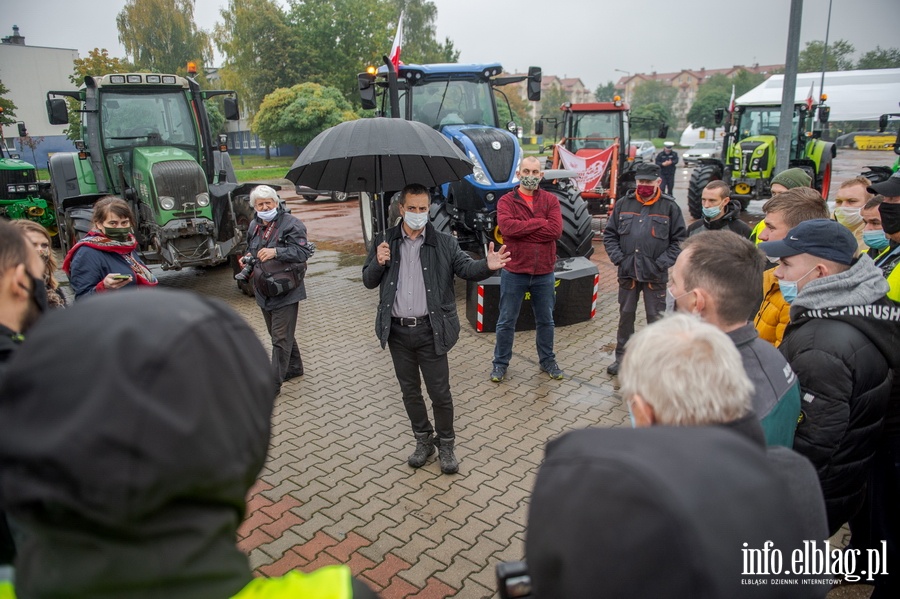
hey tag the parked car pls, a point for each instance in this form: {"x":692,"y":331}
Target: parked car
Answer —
{"x":702,"y":149}
{"x":311,"y":195}
{"x":643,"y":149}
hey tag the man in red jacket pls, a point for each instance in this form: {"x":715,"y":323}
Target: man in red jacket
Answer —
{"x":530,"y":222}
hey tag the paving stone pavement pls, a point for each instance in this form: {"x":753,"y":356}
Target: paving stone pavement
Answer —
{"x":336,"y":487}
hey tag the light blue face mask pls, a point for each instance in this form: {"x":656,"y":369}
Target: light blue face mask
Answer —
{"x":268,"y":215}
{"x":631,"y":414}
{"x":875,"y":239}
{"x":415,"y":220}
{"x":789,"y":289}
{"x":712,"y":212}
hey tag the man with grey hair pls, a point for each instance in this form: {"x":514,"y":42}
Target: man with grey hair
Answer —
{"x":696,"y":378}
{"x":718,"y":276}
{"x":276,"y":241}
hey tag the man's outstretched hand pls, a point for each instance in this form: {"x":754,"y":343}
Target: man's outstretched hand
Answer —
{"x":497,"y":260}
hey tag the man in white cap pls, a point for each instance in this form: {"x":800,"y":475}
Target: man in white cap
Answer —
{"x":667,"y":160}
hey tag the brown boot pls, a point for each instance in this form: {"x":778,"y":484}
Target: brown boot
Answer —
{"x":424,"y":447}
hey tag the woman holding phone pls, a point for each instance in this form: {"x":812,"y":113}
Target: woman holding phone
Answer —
{"x":106,"y":259}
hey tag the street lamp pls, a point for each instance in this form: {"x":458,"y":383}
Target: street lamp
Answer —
{"x":621,"y":71}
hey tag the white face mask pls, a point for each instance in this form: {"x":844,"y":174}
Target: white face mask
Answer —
{"x":849,"y":217}
{"x":268,"y":215}
{"x":415,"y":220}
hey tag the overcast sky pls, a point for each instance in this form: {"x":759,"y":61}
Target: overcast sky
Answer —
{"x":589,"y":39}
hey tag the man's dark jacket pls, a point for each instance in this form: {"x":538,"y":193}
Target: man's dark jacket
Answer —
{"x":731,"y":221}
{"x":441,"y":259}
{"x":842,"y":342}
{"x":643,"y":241}
{"x":291,"y":246}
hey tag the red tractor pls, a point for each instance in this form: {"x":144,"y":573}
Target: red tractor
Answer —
{"x":596,"y":145}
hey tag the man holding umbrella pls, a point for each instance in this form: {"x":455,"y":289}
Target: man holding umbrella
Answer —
{"x":414,"y":266}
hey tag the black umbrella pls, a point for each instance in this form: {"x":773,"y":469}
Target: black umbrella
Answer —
{"x":377,"y":154}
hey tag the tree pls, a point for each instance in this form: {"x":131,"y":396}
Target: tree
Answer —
{"x":7,"y":107}
{"x":880,"y":58}
{"x":419,"y":43}
{"x":649,"y":117}
{"x":97,"y":63}
{"x":839,"y":56}
{"x":653,"y":92}
{"x":716,"y":93}
{"x":260,"y":48}
{"x":605,"y":92}
{"x":338,"y":39}
{"x":297,"y":114}
{"x":521,"y":111}
{"x":33,"y":143}
{"x":161,"y":36}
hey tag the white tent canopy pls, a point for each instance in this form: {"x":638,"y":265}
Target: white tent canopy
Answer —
{"x":852,"y":95}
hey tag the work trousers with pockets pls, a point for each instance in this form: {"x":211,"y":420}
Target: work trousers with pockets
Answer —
{"x":654,"y":303}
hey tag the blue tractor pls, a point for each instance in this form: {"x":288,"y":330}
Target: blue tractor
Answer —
{"x":459,"y":100}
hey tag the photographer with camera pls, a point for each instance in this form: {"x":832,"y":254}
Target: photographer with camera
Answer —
{"x":276,"y":264}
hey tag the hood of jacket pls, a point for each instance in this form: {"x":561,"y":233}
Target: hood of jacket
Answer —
{"x":684,"y":501}
{"x":859,"y":285}
{"x":127,"y":469}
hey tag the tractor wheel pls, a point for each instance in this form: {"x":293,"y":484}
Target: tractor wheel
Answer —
{"x":393,"y":217}
{"x":78,"y":223}
{"x":440,"y":217}
{"x":577,"y":236}
{"x":310,"y":197}
{"x":369,"y":218}
{"x":340,"y":196}
{"x":823,"y":183}
{"x":700,"y":177}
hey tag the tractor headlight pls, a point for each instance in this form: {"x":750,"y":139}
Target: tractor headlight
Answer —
{"x":477,"y":170}
{"x":10,"y":189}
{"x":33,"y":187}
{"x":202,"y":199}
{"x":21,"y":188}
{"x":166,"y":202}
{"x":754,"y":166}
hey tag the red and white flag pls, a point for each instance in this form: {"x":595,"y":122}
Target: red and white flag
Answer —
{"x":809,"y":98}
{"x":731,"y":102}
{"x":590,"y":169}
{"x":398,"y":44}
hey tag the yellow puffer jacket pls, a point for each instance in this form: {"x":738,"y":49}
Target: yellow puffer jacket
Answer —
{"x":329,"y":582}
{"x":774,"y":313}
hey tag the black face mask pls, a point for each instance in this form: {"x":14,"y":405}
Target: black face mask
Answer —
{"x":890,"y":217}
{"x":39,"y":299}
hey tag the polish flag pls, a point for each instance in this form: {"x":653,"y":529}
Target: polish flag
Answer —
{"x":809,"y":98}
{"x":398,"y":43}
{"x":731,"y":102}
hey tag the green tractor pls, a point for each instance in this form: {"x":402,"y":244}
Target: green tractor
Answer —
{"x":21,"y":194}
{"x":147,"y":140}
{"x":748,"y":153}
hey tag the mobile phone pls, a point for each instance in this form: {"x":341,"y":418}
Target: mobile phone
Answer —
{"x":121,"y":277}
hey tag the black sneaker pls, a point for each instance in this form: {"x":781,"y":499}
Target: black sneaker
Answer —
{"x":554,"y":371}
{"x":498,"y":374}
{"x":613,"y":369}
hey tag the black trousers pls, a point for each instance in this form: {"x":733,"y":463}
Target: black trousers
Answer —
{"x":654,"y":303}
{"x":667,"y":182}
{"x":281,"y":324}
{"x":412,"y":350}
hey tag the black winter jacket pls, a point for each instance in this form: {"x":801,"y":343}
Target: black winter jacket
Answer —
{"x":290,"y":245}
{"x":842,"y":355}
{"x":441,"y":259}
{"x":731,"y":221}
{"x":643,"y":241}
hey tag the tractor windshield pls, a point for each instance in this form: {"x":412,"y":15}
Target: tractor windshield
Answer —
{"x":456,"y":102}
{"x":764,"y":120}
{"x":594,"y":130}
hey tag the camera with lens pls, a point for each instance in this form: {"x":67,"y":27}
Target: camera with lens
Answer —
{"x":513,"y":580}
{"x":249,"y":263}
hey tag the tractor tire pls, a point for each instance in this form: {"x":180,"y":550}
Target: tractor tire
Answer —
{"x":440,"y":218}
{"x":700,"y":177}
{"x":78,"y":223}
{"x":577,"y":237}
{"x":369,"y":218}
{"x":823,"y":182}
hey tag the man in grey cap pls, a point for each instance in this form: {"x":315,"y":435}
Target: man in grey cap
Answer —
{"x":841,"y":342}
{"x":642,"y":238}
